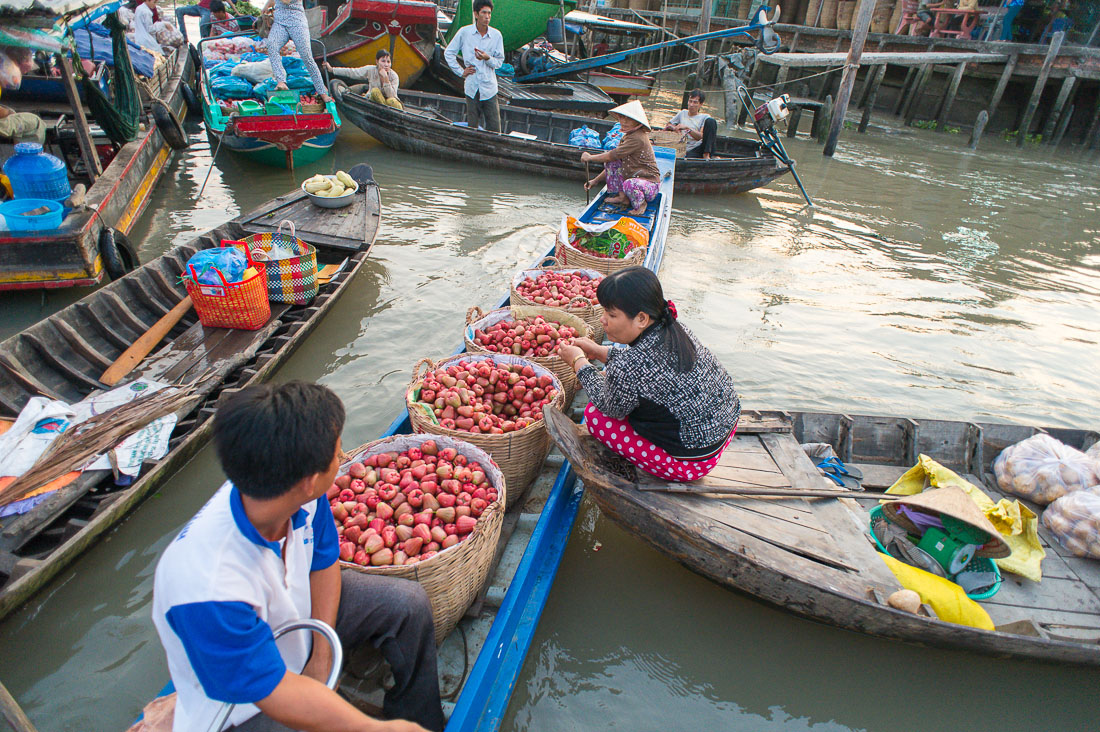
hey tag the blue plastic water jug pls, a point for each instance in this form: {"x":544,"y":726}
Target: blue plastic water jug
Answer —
{"x":37,"y":174}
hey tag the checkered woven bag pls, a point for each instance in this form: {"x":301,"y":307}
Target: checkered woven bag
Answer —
{"x":289,"y":279}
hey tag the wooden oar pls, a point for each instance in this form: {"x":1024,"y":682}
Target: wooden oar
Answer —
{"x":13,"y":714}
{"x":764,"y":492}
{"x":587,"y":190}
{"x":140,"y":348}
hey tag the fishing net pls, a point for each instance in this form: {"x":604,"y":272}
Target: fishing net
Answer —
{"x":120,"y":118}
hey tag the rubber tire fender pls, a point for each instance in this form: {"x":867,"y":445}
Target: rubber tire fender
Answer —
{"x":194,"y":107}
{"x":118,"y":254}
{"x":337,"y":88}
{"x":170,"y":127}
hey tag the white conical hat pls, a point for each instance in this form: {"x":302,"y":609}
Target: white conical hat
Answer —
{"x":633,"y":110}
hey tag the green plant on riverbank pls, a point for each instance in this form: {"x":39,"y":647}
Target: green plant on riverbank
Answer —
{"x":931,"y":124}
{"x":1010,"y":135}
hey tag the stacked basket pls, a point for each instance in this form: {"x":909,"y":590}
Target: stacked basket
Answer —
{"x":477,"y":319}
{"x":518,"y":454}
{"x":588,"y":311}
{"x":453,"y":577}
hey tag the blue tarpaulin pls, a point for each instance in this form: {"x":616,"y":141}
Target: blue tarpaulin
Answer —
{"x":100,"y":40}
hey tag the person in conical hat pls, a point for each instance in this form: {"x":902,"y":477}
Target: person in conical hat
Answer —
{"x":630,"y":169}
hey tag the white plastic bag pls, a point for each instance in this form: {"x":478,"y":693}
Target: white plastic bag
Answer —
{"x":1094,"y":452}
{"x":1042,"y":469}
{"x":1075,"y":522}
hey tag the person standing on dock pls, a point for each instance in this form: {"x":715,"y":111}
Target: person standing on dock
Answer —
{"x":665,"y":403}
{"x":701,"y":129}
{"x":288,"y":23}
{"x":262,"y":553}
{"x":482,"y":51}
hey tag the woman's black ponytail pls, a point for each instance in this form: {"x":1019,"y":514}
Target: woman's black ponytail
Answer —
{"x":637,"y":290}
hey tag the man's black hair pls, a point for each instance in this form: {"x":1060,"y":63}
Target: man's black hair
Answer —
{"x":271,"y":436}
{"x":217,"y":6}
{"x":382,"y":53}
{"x":698,"y":93}
{"x":479,"y":4}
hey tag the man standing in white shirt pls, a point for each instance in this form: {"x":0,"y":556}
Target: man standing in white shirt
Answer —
{"x":482,"y":51}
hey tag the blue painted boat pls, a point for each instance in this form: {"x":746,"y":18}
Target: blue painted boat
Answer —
{"x":498,"y":636}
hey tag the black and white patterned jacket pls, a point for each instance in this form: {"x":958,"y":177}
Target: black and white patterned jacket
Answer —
{"x":688,"y":415}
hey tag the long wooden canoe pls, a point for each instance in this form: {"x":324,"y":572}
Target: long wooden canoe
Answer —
{"x":64,"y":356}
{"x":481,"y":659}
{"x":427,"y":126}
{"x":814,"y":557}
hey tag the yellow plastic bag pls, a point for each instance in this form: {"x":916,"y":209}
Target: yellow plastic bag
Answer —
{"x":1017,"y":523}
{"x":612,"y":240}
{"x":946,"y":598}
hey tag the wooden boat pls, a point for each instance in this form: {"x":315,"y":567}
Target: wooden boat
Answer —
{"x":287,"y":137}
{"x":560,"y":95}
{"x":427,"y":127}
{"x":482,"y":658}
{"x":810,"y":555}
{"x":359,"y":29}
{"x":519,"y":21}
{"x":64,"y":356}
{"x":622,"y":85}
{"x":91,"y":241}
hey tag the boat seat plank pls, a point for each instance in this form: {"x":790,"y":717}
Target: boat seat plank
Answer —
{"x":1053,"y":593}
{"x":723,"y":540}
{"x":725,"y":475}
{"x":1082,"y":626}
{"x":237,"y":347}
{"x":323,"y":225}
{"x":879,"y":477}
{"x":851,"y":541}
{"x":183,"y":351}
{"x":749,"y":461}
{"x":808,"y":540}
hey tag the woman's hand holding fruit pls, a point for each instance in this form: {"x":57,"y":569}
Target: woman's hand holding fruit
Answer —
{"x":591,"y":349}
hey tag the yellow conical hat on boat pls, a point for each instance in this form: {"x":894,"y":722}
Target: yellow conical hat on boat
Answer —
{"x":953,"y":502}
{"x":633,"y":110}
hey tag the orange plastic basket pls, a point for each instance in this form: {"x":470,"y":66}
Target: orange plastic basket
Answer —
{"x":241,"y":304}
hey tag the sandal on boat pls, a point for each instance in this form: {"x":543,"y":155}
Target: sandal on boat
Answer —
{"x":845,"y":476}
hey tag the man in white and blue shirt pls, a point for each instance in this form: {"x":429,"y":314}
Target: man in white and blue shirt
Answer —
{"x":482,"y":51}
{"x":262,"y":552}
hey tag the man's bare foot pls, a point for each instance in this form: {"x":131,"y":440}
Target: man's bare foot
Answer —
{"x":281,"y":87}
{"x":618,"y":199}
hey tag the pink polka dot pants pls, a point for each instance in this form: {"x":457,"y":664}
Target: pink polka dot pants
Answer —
{"x":621,"y":437}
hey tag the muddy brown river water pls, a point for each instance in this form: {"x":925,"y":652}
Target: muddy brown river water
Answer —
{"x":928,"y":282}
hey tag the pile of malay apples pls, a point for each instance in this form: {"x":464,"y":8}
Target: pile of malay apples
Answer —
{"x":400,"y":508}
{"x":557,"y":289}
{"x":483,"y":397}
{"x":525,"y":337}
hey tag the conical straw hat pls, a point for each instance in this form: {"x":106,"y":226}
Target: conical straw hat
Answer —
{"x":954,"y":502}
{"x":633,"y":110}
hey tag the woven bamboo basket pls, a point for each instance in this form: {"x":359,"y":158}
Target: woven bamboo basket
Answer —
{"x":569,"y":256}
{"x":316,"y":108}
{"x":454,"y":577}
{"x":519,"y":454}
{"x":669,"y":138}
{"x":478,"y":318}
{"x":588,"y":311}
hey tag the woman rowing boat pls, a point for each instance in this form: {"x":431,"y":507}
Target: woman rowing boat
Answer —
{"x":630,"y":168}
{"x":665,"y":403}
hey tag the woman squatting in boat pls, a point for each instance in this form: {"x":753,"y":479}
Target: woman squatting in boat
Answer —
{"x":664,"y":403}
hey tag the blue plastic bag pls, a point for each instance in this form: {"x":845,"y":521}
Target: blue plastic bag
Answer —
{"x":507,"y":71}
{"x":585,"y":136}
{"x":613,"y":137}
{"x":230,"y":261}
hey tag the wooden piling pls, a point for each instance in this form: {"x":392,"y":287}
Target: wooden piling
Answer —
{"x":1093,"y":133}
{"x":689,"y":84}
{"x":781,"y":78}
{"x":979,"y":128}
{"x":949,"y":97}
{"x":913,"y":103}
{"x":904,"y":90}
{"x":1040,"y":82}
{"x":1002,"y":83}
{"x":793,"y":120}
{"x":704,"y":27}
{"x":12,"y":713}
{"x":872,"y":95}
{"x":1064,"y":93}
{"x":1062,"y":125}
{"x":823,"y":119}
